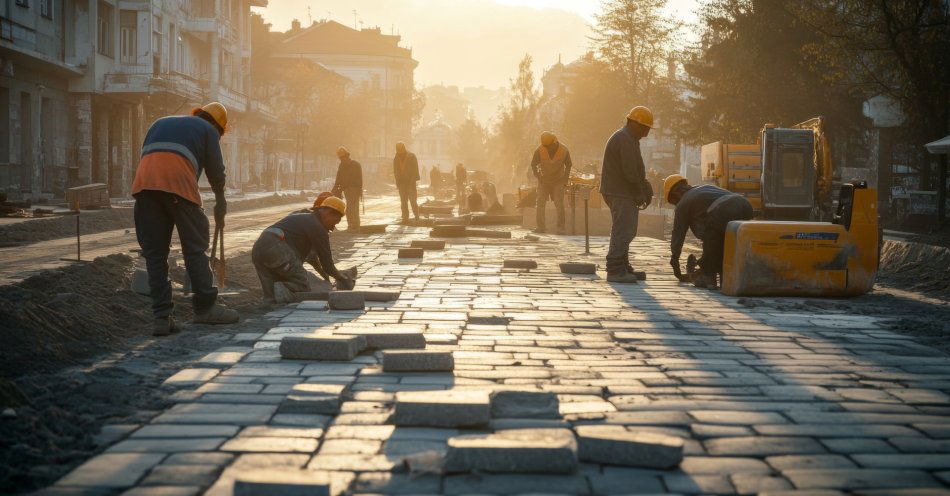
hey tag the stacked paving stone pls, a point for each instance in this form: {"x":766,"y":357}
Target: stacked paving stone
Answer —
{"x":766,"y":395}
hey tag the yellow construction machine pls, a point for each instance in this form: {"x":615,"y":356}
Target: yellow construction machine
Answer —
{"x":794,"y":258}
{"x":786,"y":175}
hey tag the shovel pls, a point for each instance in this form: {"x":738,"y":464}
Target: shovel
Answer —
{"x":218,"y":264}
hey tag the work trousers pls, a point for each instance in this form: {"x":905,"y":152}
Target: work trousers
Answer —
{"x":275,"y":261}
{"x":407,"y":197}
{"x":157,"y":213}
{"x":352,"y":197}
{"x":735,"y":207}
{"x":554,"y":191}
{"x":624,"y":215}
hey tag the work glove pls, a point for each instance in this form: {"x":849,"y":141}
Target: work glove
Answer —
{"x":646,"y":196}
{"x":345,"y":283}
{"x":675,"y":263}
{"x":220,"y":210}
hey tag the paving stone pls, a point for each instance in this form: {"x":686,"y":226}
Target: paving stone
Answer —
{"x":190,"y":377}
{"x":411,"y":252}
{"x":346,"y":300}
{"x":448,"y":231}
{"x":300,"y":420}
{"x":515,"y":484}
{"x":173,"y":431}
{"x":313,"y":399}
{"x":520,"y":264}
{"x":332,"y":347}
{"x":758,"y":484}
{"x":858,"y":478}
{"x":182,"y":475}
{"x":166,"y":445}
{"x":384,"y":339}
{"x":356,"y":463}
{"x":281,"y":482}
{"x":524,"y":404}
{"x":578,"y":268}
{"x":762,"y":446}
{"x":271,"y":444}
{"x":701,"y":484}
{"x":788,"y":462}
{"x":618,"y":446}
{"x":199,"y":458}
{"x":915,"y":460}
{"x":857,"y":445}
{"x":216,"y":413}
{"x":527,"y":423}
{"x":373,"y":228}
{"x":269,"y":431}
{"x":111,"y":470}
{"x":515,"y":450}
{"x":621,"y":480}
{"x":350,"y":447}
{"x":163,"y":491}
{"x":417,"y":361}
{"x":448,"y":408}
{"x":723,"y":465}
{"x":428,"y":244}
{"x":388,"y":483}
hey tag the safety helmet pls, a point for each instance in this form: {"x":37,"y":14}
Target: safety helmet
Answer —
{"x":548,"y":138}
{"x":217,"y":111}
{"x":641,"y":115}
{"x":400,"y":147}
{"x":342,"y":152}
{"x":320,"y":198}
{"x":335,"y":203}
{"x":669,"y":183}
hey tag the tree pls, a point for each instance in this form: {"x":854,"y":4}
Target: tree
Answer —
{"x":594,"y":108}
{"x":517,"y":127}
{"x":470,"y":144}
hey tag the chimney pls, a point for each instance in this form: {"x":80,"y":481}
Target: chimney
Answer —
{"x":294,"y":25}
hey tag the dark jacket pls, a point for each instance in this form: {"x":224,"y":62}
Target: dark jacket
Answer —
{"x":691,"y":212}
{"x":411,"y":170}
{"x":349,"y":175}
{"x":306,"y":235}
{"x":623,"y":172}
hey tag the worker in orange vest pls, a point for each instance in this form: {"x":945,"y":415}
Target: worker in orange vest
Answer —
{"x":551,"y":165}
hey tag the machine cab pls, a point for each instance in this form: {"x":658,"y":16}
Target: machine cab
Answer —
{"x":788,"y":173}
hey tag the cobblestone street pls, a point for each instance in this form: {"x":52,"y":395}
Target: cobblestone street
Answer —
{"x":765,"y":400}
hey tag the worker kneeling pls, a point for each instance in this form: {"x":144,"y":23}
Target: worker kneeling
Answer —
{"x":280,"y":251}
{"x":706,"y":210}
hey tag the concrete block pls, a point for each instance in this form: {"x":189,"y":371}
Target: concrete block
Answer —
{"x":485,"y":233}
{"x":330,"y":347}
{"x":281,"y":482}
{"x":346,"y":300}
{"x":428,"y":244}
{"x":524,"y":404}
{"x":140,"y":282}
{"x":382,"y":296}
{"x":417,"y":361}
{"x":578,"y":268}
{"x":410,"y":252}
{"x":616,"y":445}
{"x":497,"y":220}
{"x":313,"y":399}
{"x":520,"y":264}
{"x":514,"y":450}
{"x":384,"y":339}
{"x":373,"y":229}
{"x":448,"y":231}
{"x":447,"y":408}
{"x":191,"y":377}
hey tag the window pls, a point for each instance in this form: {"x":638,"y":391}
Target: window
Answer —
{"x":23,"y":3}
{"x":793,"y":169}
{"x":105,"y":43}
{"x":46,"y":8}
{"x":128,"y":37}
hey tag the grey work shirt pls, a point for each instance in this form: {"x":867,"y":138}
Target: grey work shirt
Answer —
{"x":623,"y":173}
{"x":305,"y":234}
{"x":691,"y":213}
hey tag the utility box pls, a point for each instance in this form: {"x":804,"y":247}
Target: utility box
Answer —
{"x":95,"y":195}
{"x":737,"y":168}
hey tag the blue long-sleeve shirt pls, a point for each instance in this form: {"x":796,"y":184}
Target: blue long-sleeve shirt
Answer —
{"x":623,"y":173}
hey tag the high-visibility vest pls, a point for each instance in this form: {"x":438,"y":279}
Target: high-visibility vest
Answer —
{"x":552,"y":168}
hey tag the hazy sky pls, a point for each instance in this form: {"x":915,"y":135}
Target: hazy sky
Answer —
{"x":467,"y":42}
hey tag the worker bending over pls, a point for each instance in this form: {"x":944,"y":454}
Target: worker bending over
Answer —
{"x":349,"y":183}
{"x":406,"y":173}
{"x":626,"y":190}
{"x":551,"y":165}
{"x":280,"y":251}
{"x":175,"y":152}
{"x":706,"y":210}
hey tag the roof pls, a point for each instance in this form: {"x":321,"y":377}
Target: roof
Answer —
{"x":940,"y":146}
{"x":331,"y":37}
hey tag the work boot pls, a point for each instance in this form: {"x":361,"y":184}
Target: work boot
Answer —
{"x":703,"y":280}
{"x":163,"y":326}
{"x":641,"y":275}
{"x":217,"y":314}
{"x":622,"y":278}
{"x":282,"y":295}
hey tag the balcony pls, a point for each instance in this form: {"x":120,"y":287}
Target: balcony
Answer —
{"x":174,"y":84}
{"x":264,"y":110}
{"x":232,"y":99}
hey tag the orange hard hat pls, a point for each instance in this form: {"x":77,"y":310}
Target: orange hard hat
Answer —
{"x":335,"y":203}
{"x":548,"y":138}
{"x":342,"y":152}
{"x":320,"y":198}
{"x":217,"y":111}
{"x":641,"y":115}
{"x":669,"y":183}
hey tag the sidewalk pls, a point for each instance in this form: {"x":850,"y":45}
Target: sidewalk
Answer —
{"x":765,"y":399}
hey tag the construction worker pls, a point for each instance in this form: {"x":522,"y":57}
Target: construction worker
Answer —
{"x":705,"y":210}
{"x":175,"y":152}
{"x":349,"y":183}
{"x":626,"y":190}
{"x":460,"y":179}
{"x":435,"y":179}
{"x":406,"y":173}
{"x":279,"y":252}
{"x":551,"y":165}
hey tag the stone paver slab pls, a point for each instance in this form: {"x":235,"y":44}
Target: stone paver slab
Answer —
{"x":515,"y":450}
{"x":450,"y":408}
{"x":618,"y":446}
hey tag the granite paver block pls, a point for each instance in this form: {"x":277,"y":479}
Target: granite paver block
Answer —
{"x":373,"y":228}
{"x":310,"y":398}
{"x":159,"y":491}
{"x":486,"y":233}
{"x":618,"y":446}
{"x":428,"y":244}
{"x":182,"y":475}
{"x":329,"y":347}
{"x":857,"y":478}
{"x":524,"y":404}
{"x":448,"y":231}
{"x":514,"y":450}
{"x":191,"y":377}
{"x":271,"y":444}
{"x":515,"y":484}
{"x":314,"y":297}
{"x":448,"y":408}
{"x":173,"y":430}
{"x":520,"y":264}
{"x":578,"y":268}
{"x":112,"y":470}
{"x":216,"y":413}
{"x":346,"y":300}
{"x":417,"y":361}
{"x":383,"y":339}
{"x":763,"y":446}
{"x":411,"y":252}
{"x":281,"y":482}
{"x":167,"y":445}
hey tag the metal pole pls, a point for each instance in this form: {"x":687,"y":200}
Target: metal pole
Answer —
{"x":78,"y":249}
{"x":586,"y":229}
{"x":573,"y":210}
{"x":942,"y":191}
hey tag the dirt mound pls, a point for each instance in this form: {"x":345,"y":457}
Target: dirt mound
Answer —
{"x":916,"y":267}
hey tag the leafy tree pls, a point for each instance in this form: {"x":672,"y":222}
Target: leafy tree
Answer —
{"x":470,"y":143}
{"x":517,"y":128}
{"x":594,"y":108}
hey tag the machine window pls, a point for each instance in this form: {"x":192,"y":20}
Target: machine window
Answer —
{"x":793,"y":169}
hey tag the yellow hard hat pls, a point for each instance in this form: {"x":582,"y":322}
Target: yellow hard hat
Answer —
{"x":548,"y":138}
{"x":218,"y":112}
{"x":670,"y":182}
{"x":335,"y":203}
{"x":642,"y":115}
{"x":342,"y":152}
{"x":401,"y":147}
